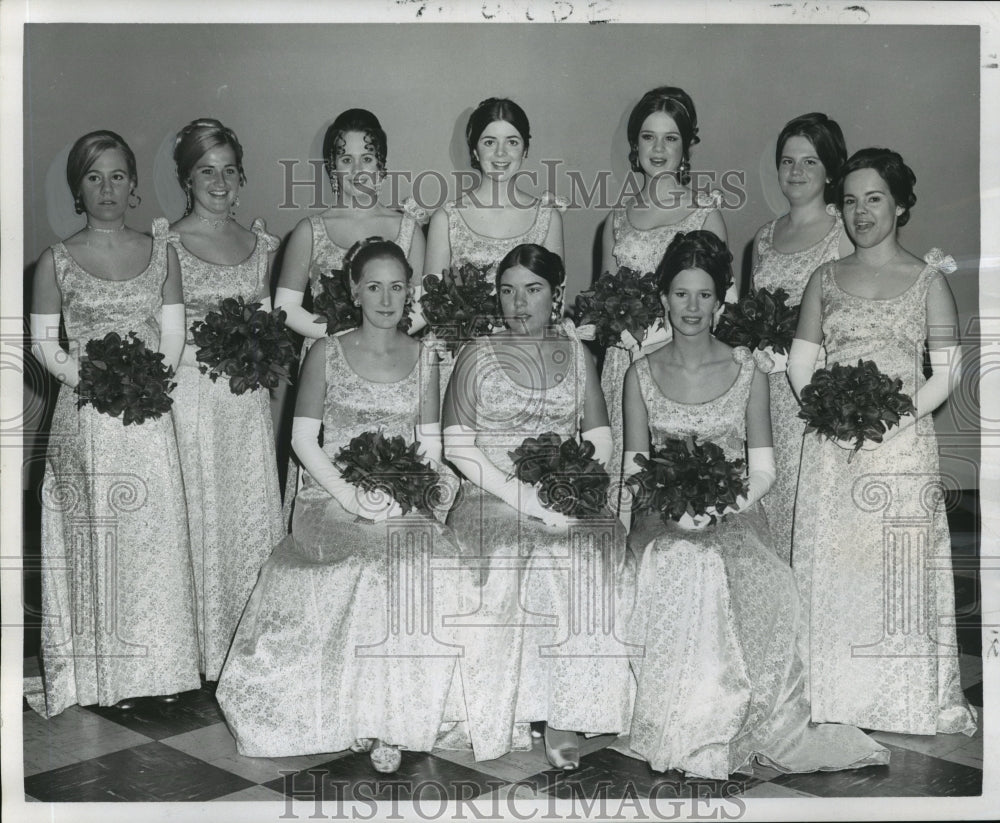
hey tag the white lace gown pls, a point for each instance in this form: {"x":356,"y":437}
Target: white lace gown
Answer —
{"x":544,"y":639}
{"x":721,"y":684}
{"x":872,"y":552}
{"x":117,"y":590}
{"x":226,"y":444}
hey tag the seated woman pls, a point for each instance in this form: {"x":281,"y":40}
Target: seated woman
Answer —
{"x":542,"y":644}
{"x":720,"y":682}
{"x":321,"y":661}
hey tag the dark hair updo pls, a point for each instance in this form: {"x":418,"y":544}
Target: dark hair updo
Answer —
{"x":84,"y":154}
{"x":538,"y":260}
{"x":360,"y":120}
{"x":489,"y":111}
{"x":672,"y":101}
{"x":891,"y":168}
{"x":699,"y":249}
{"x":201,"y":136}
{"x":374,"y":248}
{"x":826,"y":138}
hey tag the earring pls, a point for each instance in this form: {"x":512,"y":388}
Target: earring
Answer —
{"x":134,"y":200}
{"x":236,"y":202}
{"x":682,"y":170}
{"x":357,"y":303}
{"x":78,"y":204}
{"x":190,"y":200}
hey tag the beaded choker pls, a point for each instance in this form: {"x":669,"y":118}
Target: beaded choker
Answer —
{"x":106,"y":231}
{"x":215,"y":224}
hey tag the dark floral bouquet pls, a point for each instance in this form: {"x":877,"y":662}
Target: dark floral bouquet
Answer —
{"x":387,"y":465}
{"x":853,"y":403}
{"x":627,"y":301}
{"x":120,"y":377}
{"x":334,"y":302}
{"x":460,"y":304}
{"x":248,"y":344}
{"x":686,"y":477}
{"x":569,"y":480}
{"x":760,"y":320}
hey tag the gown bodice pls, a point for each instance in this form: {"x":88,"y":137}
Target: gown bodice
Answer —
{"x":93,"y":306}
{"x":721,"y":419}
{"x":207,"y":284}
{"x":642,"y":249}
{"x":507,"y":413}
{"x":791,"y":270}
{"x":468,"y":246}
{"x":327,"y":255}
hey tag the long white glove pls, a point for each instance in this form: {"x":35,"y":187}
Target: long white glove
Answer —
{"x":602,"y":441}
{"x":461,"y":449}
{"x":417,"y":319}
{"x":947,"y":371}
{"x":297,"y":318}
{"x":305,"y":443}
{"x":172,"y":333}
{"x":801,"y":363}
{"x":429,"y":438}
{"x":761,"y":474}
{"x":45,"y":346}
{"x":627,"y":499}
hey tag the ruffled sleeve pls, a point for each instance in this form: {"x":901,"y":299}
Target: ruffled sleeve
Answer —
{"x":944,"y":263}
{"x":710,"y":200}
{"x":415,"y":211}
{"x":161,"y":230}
{"x":741,"y":354}
{"x":269,"y":241}
{"x":555,"y":201}
{"x":763,"y":360}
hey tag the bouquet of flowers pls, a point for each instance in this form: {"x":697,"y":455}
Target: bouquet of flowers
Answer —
{"x":853,"y":403}
{"x":388,"y":465}
{"x":243,"y":341}
{"x":627,"y":301}
{"x":686,"y":477}
{"x":120,"y":377}
{"x":459,"y":304}
{"x":335,"y":304}
{"x":760,"y":320}
{"x":569,"y":480}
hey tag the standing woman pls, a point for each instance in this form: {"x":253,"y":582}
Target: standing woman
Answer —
{"x":808,"y":156}
{"x":496,"y":216}
{"x":531,"y":650}
{"x":662,"y":128}
{"x":720,"y":683}
{"x":117,"y":590}
{"x":880,"y":654}
{"x":355,"y":148}
{"x":226,"y":440}
{"x":298,"y":679}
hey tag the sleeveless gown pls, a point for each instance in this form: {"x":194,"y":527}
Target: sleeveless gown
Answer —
{"x":789,"y":271}
{"x":226,"y":444}
{"x":117,"y":588}
{"x":326,"y":256}
{"x":872,"y":553}
{"x":721,"y":683}
{"x":341,"y":638}
{"x":543,"y":640}
{"x":641,"y":250}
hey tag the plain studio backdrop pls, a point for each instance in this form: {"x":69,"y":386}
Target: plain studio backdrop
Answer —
{"x":914,"y":89}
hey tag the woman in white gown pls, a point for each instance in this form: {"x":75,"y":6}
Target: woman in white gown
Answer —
{"x":879,"y":630}
{"x":326,"y":656}
{"x":537,"y":648}
{"x":720,"y":683}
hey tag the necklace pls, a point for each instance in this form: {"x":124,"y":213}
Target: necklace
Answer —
{"x":106,"y":231}
{"x":215,"y":224}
